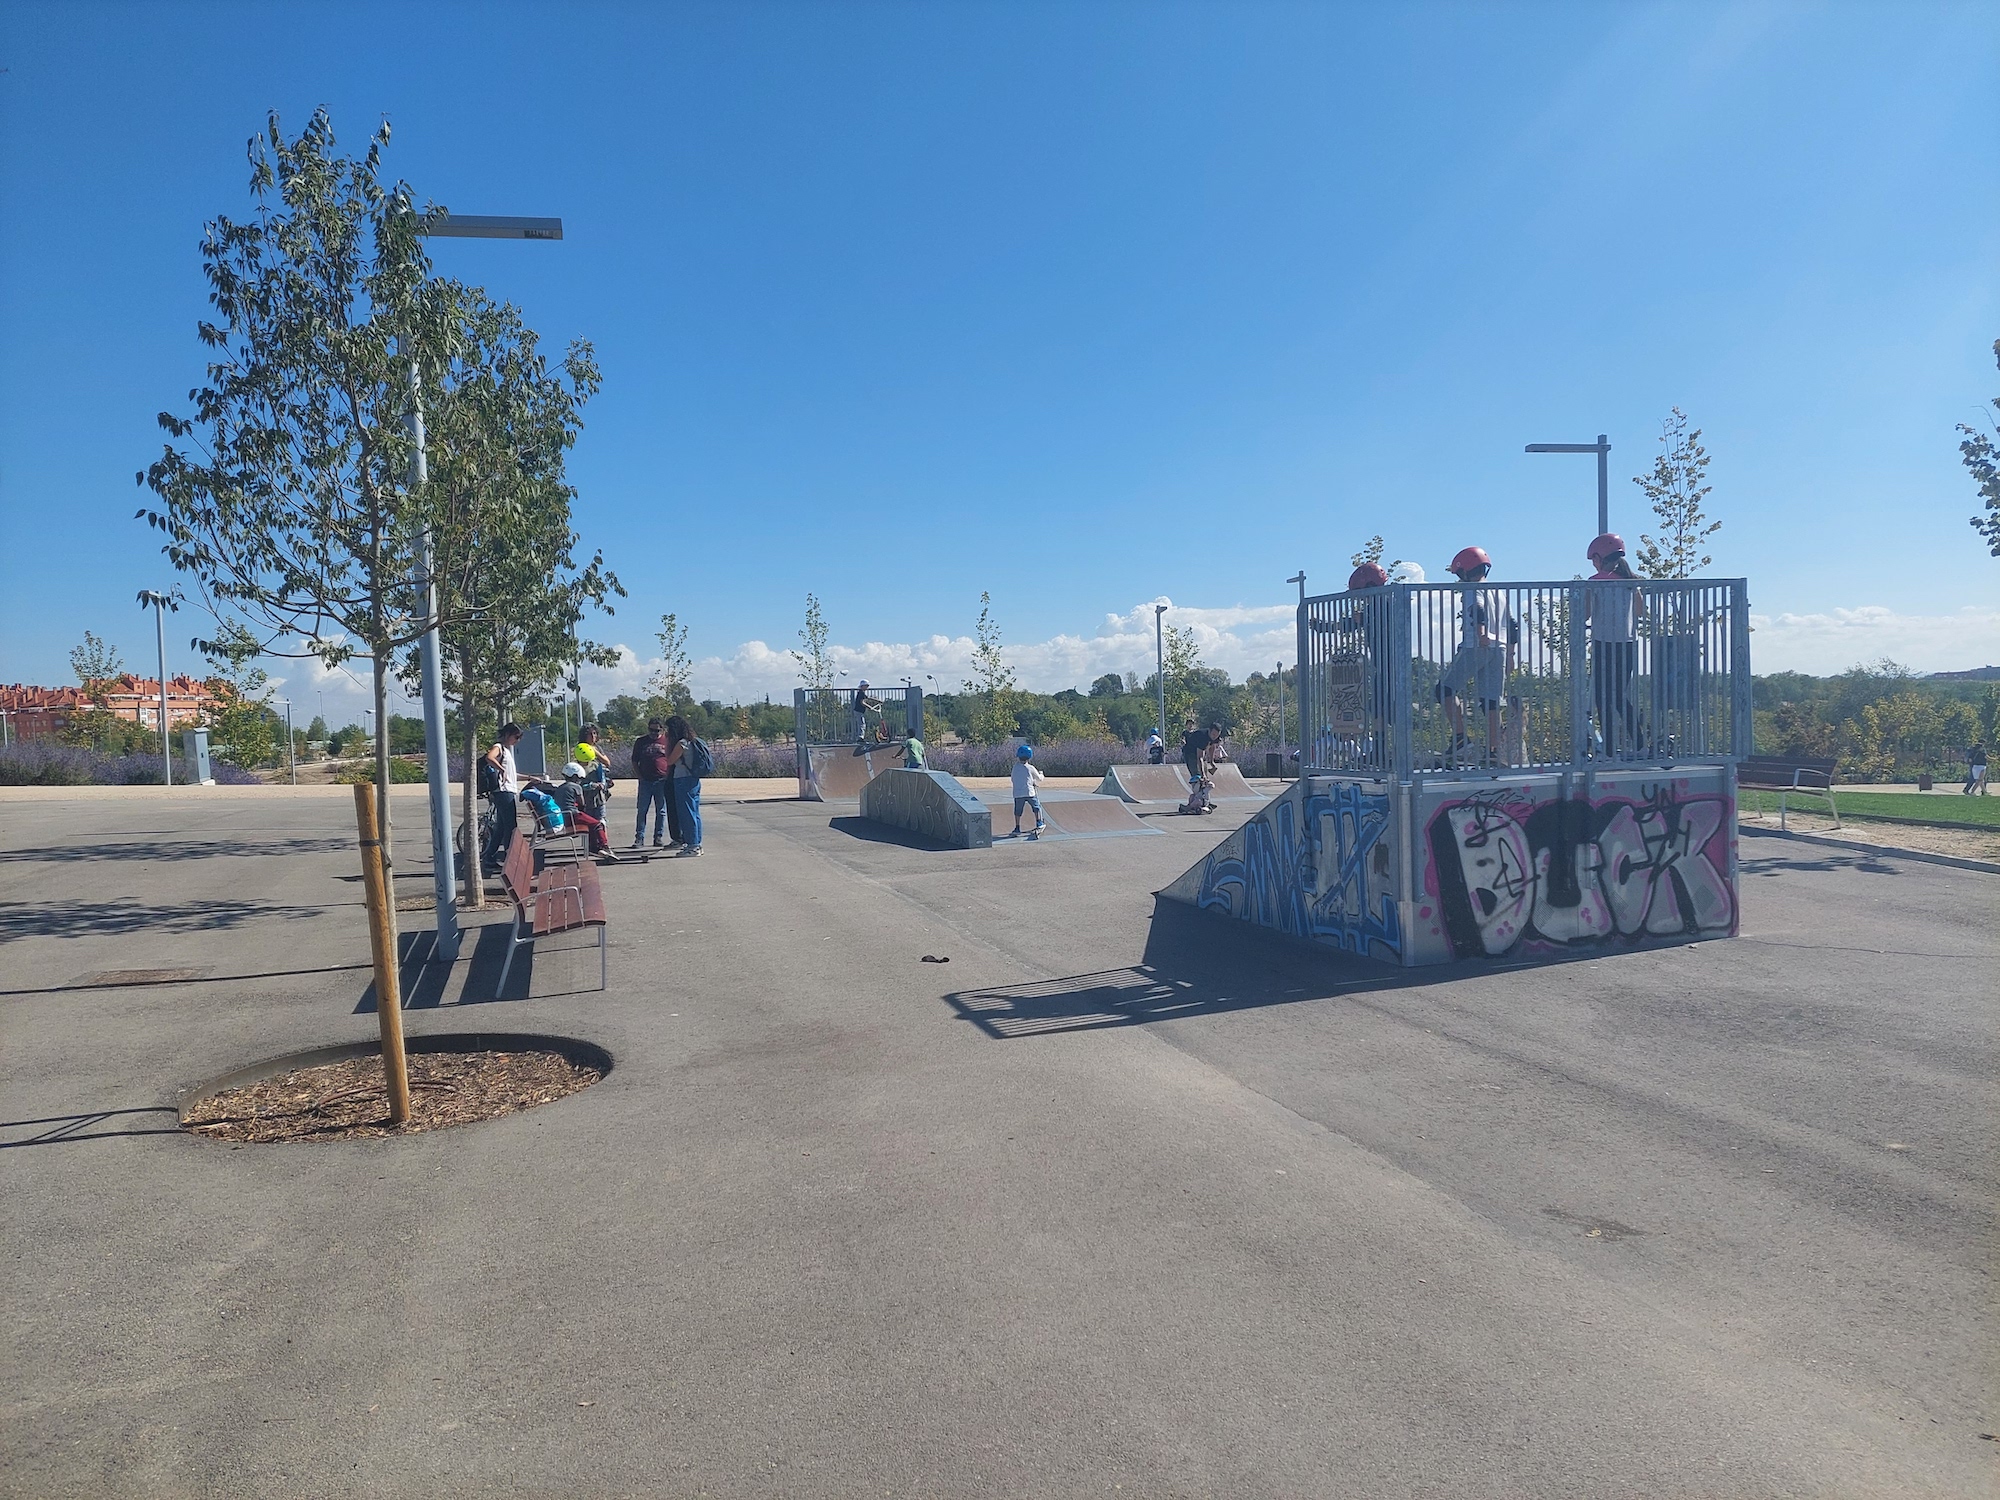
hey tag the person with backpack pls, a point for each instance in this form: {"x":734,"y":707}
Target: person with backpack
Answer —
{"x":501,"y":784}
{"x":650,"y":765}
{"x":688,"y":760}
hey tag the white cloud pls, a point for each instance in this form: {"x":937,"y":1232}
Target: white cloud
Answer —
{"x":1823,"y":644}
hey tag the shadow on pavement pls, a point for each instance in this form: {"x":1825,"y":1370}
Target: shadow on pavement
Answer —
{"x":116,"y":918}
{"x":174,"y":850}
{"x":1195,"y":964}
{"x":483,"y":951}
{"x":64,"y":1128}
{"x":1780,"y":864}
{"x":871,"y":832}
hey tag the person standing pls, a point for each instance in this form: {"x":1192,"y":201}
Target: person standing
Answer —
{"x":505,"y":797}
{"x":1156,"y":748}
{"x":684,"y":784}
{"x":1613,"y":612}
{"x":913,"y":753}
{"x":858,"y":708}
{"x":1488,"y":635}
{"x":649,"y":765}
{"x":1027,"y":776}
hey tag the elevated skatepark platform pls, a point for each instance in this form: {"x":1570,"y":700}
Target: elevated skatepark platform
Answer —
{"x":1518,"y":866}
{"x":834,"y":773}
{"x":1169,"y":783}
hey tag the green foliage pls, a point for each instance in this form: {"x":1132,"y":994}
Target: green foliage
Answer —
{"x":1982,"y":460}
{"x":244,"y":729}
{"x":1183,"y":663}
{"x":114,"y":734}
{"x":816,"y":660}
{"x":95,"y":663}
{"x":670,"y":682}
{"x":996,"y":712}
{"x":1110,"y":685}
{"x":1677,"y":489}
{"x":1878,"y":723}
{"x":316,"y":731}
{"x":401,"y":773}
{"x":1372,"y":553}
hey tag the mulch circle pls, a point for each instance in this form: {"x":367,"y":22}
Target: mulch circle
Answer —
{"x":349,"y":1100}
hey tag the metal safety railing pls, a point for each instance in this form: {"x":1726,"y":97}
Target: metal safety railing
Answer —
{"x":827,"y":716}
{"x":1415,"y":679}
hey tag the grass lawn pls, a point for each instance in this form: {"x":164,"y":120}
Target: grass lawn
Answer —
{"x":1913,"y":806}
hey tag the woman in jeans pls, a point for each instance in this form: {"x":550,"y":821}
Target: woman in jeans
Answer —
{"x":683,"y":786}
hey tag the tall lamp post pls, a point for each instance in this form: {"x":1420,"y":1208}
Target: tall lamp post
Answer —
{"x":437,"y":760}
{"x":160,"y":604}
{"x":1602,"y":448}
{"x":1160,"y":660}
{"x":291,"y":750}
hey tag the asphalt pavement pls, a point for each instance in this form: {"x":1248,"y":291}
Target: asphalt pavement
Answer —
{"x":1119,"y":1200}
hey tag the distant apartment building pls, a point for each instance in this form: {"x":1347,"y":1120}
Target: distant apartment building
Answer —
{"x":36,"y":712}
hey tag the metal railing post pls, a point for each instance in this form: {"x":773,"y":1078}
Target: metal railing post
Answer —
{"x":1304,"y":694}
{"x":1579,"y":683}
{"x":1398,"y":667}
{"x":1742,"y":715}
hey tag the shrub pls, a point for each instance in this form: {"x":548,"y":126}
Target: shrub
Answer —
{"x":42,"y":762}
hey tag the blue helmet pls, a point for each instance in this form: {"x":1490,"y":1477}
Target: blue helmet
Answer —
{"x":1025,"y":752}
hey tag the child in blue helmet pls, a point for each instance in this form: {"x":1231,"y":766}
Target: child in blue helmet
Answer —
{"x":1027,"y":776}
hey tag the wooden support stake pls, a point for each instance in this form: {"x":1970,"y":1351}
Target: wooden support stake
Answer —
{"x":382,"y":938}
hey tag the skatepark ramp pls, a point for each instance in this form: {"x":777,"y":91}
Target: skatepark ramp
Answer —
{"x":1072,"y":815}
{"x":837,"y":773}
{"x":1169,"y":783}
{"x":1510,"y":867}
{"x":928,"y":803}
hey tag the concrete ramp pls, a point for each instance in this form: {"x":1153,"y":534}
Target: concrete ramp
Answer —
{"x":928,"y":803}
{"x":1075,"y":815}
{"x":834,"y":773}
{"x":1169,"y":783}
{"x":1162,"y":783}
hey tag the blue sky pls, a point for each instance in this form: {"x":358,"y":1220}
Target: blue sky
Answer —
{"x":1082,"y":304}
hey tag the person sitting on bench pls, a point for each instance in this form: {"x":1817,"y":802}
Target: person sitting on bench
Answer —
{"x":568,"y":794}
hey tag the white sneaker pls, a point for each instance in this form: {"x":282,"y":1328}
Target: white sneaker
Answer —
{"x":689,"y":851}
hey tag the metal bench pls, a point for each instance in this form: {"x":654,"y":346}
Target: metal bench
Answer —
{"x":560,"y":898}
{"x":1769,"y":773}
{"x":546,"y":837}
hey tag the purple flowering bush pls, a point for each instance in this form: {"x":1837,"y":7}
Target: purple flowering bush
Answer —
{"x":51,"y":763}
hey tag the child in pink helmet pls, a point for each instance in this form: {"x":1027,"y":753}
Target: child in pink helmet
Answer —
{"x":1487,"y":640}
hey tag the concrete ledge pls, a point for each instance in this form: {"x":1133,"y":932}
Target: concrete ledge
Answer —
{"x":930,"y":803}
{"x":1856,"y":846}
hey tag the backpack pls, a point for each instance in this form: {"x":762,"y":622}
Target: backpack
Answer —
{"x":550,"y":810}
{"x":649,"y":757}
{"x":489,"y":777}
{"x":698,"y":758}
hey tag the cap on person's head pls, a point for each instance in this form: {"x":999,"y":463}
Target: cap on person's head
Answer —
{"x":1608,"y":545}
{"x":510,"y":729}
{"x":1470,"y":560}
{"x":1025,"y":752}
{"x":1367,"y":576}
{"x":656,"y":724}
{"x":864,"y":682}
{"x":573,"y":771}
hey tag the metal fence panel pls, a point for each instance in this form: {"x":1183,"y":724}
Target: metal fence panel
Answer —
{"x":826,"y":716}
{"x":1418,"y":678}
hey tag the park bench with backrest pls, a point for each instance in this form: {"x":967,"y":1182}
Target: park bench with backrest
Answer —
{"x":557,"y":898}
{"x":1786,"y":776}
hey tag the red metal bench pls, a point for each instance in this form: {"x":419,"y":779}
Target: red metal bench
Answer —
{"x":561,"y":898}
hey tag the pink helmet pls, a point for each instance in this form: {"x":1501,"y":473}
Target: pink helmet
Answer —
{"x":1604,"y":546}
{"x":1367,"y":576}
{"x":1469,"y":558}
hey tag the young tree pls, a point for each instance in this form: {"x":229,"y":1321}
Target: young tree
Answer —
{"x":997,"y":714}
{"x":242,"y":720}
{"x":816,"y":660}
{"x":500,"y":422}
{"x":95,"y":663}
{"x":1184,"y":669}
{"x":1982,"y":459}
{"x":1372,"y":553}
{"x":670,"y":681}
{"x":1676,"y":489}
{"x":286,"y":494}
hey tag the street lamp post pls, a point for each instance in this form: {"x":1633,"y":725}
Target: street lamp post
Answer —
{"x":1160,"y":662}
{"x":437,"y":760}
{"x":1602,"y":448}
{"x":1281,"y":718}
{"x":160,"y":604}
{"x":291,"y":750}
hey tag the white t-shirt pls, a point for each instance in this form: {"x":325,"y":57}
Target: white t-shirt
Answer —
{"x":1611,"y":606}
{"x":1026,"y":775}
{"x":510,"y":779}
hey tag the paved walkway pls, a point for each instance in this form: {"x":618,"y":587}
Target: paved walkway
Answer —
{"x":1114,"y":1198}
